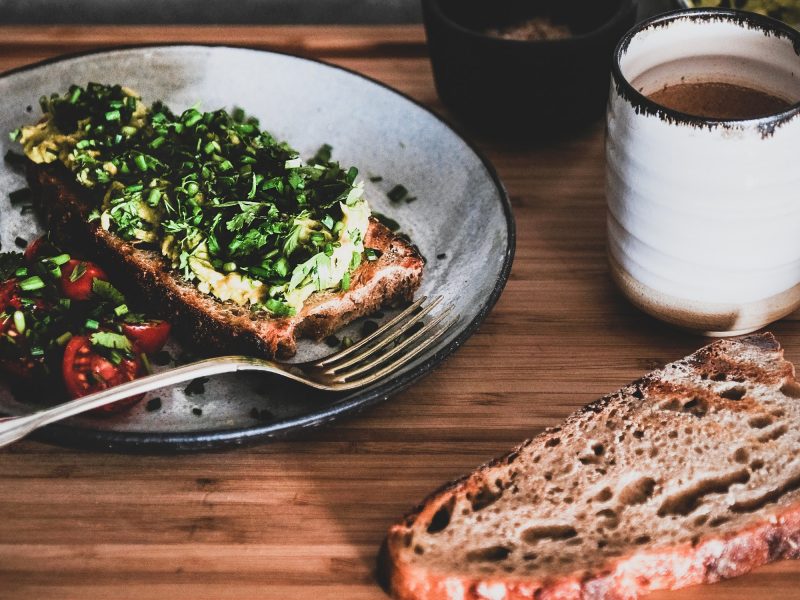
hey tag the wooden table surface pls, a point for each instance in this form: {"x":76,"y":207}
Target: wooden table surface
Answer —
{"x":304,"y":518}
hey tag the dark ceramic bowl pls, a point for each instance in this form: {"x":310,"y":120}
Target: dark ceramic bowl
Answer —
{"x":516,"y":87}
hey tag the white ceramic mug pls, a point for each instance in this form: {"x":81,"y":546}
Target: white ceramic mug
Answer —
{"x":704,"y":214}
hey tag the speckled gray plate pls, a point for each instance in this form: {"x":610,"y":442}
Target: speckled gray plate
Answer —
{"x":461,"y":219}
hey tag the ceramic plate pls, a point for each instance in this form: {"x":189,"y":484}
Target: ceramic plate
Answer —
{"x":461,"y":220}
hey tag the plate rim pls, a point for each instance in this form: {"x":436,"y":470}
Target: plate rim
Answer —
{"x":194,"y":441}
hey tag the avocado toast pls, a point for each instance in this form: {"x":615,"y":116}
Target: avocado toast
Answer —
{"x":225,"y":231}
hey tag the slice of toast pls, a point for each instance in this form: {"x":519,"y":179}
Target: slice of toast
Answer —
{"x":211,"y":325}
{"x":689,"y":475}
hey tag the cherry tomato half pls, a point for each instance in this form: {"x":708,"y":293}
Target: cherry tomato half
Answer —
{"x":33,"y":249}
{"x":87,"y":371}
{"x":39,"y":248}
{"x":81,"y":287}
{"x":10,"y":295}
{"x":149,"y":336}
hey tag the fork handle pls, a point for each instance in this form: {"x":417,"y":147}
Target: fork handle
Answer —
{"x":15,"y":428}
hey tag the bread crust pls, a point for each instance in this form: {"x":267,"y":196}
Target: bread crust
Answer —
{"x":209,"y":325}
{"x":706,"y":560}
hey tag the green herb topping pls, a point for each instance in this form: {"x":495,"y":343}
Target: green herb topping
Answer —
{"x":235,"y":210}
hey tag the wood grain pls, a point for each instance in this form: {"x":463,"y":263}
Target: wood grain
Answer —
{"x":304,"y":518}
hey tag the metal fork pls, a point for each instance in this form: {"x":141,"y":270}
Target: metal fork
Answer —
{"x":357,"y":366}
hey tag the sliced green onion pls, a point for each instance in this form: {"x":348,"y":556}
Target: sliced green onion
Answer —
{"x":92,"y":324}
{"x":345,"y":285}
{"x":154,"y":196}
{"x":113,"y":115}
{"x":31,"y":283}
{"x":19,"y":321}
{"x":141,"y":162}
{"x":21,"y":272}
{"x":122,"y":309}
{"x":129,"y":130}
{"x":229,"y":267}
{"x":37,"y":351}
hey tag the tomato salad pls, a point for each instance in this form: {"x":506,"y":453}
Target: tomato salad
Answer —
{"x":66,"y":330}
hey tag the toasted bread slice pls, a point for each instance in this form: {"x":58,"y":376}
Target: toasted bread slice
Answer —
{"x":212,"y":325}
{"x":689,"y":475}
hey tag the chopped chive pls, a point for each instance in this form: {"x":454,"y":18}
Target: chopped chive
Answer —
{"x":61,"y":259}
{"x":19,"y":321}
{"x":345,"y":285}
{"x":193,"y":118}
{"x":141,"y":162}
{"x":77,"y":272}
{"x":92,"y":324}
{"x":397,"y":193}
{"x":158,"y":142}
{"x":37,"y":351}
{"x":82,"y":144}
{"x":76,"y":93}
{"x":148,"y":367}
{"x":20,"y":196}
{"x":121,"y":310}
{"x":31,"y":283}
{"x":260,"y":272}
{"x":63,"y":338}
{"x":21,"y":272}
{"x":282,"y":266}
{"x":15,"y":158}
{"x":113,"y":115}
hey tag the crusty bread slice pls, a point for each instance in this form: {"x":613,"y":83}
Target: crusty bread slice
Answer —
{"x":689,"y":475}
{"x":224,"y":327}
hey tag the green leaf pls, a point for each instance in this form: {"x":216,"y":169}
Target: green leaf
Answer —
{"x":106,"y":291}
{"x":111,"y":341}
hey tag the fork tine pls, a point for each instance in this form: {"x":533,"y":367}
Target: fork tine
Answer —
{"x":384,"y":357}
{"x":403,"y":360}
{"x":348,"y":351}
{"x":391,"y":334}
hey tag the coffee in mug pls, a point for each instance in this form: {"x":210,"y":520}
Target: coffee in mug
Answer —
{"x":703,"y":183}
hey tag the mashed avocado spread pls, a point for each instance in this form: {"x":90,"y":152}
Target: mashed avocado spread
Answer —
{"x":236,"y":211}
